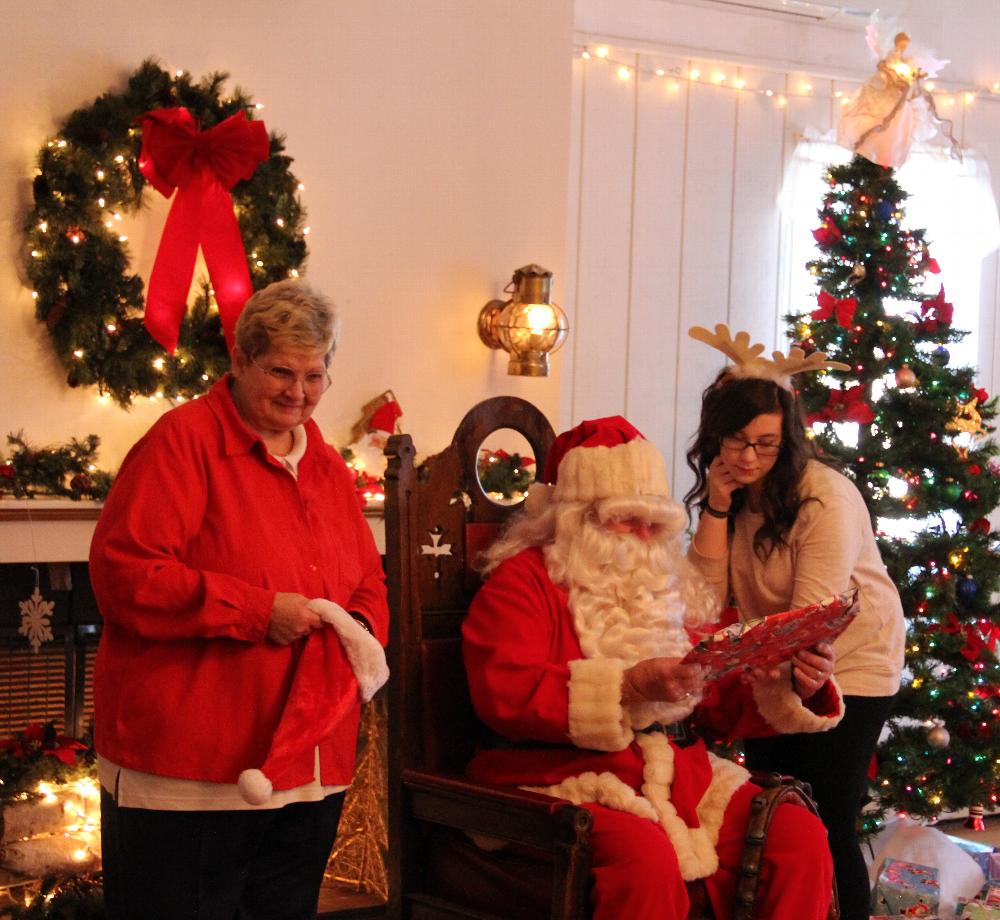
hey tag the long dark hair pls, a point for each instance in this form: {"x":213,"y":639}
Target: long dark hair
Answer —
{"x":727,"y":406}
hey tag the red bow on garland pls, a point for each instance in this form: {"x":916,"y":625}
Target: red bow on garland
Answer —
{"x":202,"y":166}
{"x":976,"y":640}
{"x":845,"y":406}
{"x":842,"y":308}
{"x":935,"y":312}
{"x":827,"y":233}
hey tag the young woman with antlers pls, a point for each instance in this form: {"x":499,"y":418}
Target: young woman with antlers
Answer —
{"x":779,"y":529}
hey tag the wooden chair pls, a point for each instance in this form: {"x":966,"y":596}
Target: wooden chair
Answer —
{"x":437,"y":519}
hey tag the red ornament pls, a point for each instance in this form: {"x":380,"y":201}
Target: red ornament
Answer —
{"x":905,"y":378}
{"x":827,"y":233}
{"x":980,"y":525}
{"x":975,"y":469}
{"x":202,"y":166}
{"x":7,"y":471}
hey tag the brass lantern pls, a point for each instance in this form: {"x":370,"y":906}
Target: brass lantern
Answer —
{"x":529,"y":326}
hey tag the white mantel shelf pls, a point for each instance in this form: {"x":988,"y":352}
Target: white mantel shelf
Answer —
{"x":59,"y":530}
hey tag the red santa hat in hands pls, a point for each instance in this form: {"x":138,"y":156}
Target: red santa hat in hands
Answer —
{"x":608,"y":462}
{"x":338,"y":668}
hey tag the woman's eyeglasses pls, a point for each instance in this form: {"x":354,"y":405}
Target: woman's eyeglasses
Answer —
{"x":760,"y":448}
{"x":281,"y":377}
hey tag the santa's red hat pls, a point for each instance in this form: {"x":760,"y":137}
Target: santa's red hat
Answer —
{"x":600,"y":460}
{"x":340,"y":667}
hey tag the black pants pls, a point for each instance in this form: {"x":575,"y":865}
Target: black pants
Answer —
{"x":216,"y":865}
{"x":835,"y":764}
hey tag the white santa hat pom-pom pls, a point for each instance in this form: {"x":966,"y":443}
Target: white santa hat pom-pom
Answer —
{"x":255,"y":787}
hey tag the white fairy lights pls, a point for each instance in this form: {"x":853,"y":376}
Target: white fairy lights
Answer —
{"x":673,"y":77}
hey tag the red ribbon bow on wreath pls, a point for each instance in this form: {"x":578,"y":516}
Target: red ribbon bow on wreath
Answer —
{"x":202,"y":166}
{"x":845,"y":406}
{"x":842,"y":308}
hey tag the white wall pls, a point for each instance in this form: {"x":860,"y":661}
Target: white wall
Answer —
{"x":673,"y":219}
{"x":432,"y":140}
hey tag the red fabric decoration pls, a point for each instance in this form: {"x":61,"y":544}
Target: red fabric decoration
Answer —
{"x":845,"y":406}
{"x":935,"y":312}
{"x":842,"y":308}
{"x":981,"y":395}
{"x":202,"y":166}
{"x":827,"y":233}
{"x":385,"y":416}
{"x":932,"y":266}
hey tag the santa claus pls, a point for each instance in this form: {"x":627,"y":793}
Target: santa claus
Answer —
{"x":573,"y":649}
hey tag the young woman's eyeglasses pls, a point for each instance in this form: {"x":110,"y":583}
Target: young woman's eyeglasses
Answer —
{"x":281,"y":377}
{"x":760,"y":448}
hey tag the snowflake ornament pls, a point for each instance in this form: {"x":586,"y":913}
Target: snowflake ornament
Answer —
{"x":35,"y":613}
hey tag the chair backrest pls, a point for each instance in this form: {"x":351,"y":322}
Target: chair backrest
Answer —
{"x":437,"y":519}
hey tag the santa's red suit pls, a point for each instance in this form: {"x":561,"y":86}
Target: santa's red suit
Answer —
{"x":664,"y":811}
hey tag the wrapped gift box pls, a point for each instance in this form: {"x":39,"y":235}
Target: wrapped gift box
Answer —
{"x":982,"y":853}
{"x":905,"y":888}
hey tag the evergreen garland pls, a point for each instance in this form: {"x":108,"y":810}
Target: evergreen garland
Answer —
{"x":86,"y":294}
{"x":66,"y":471}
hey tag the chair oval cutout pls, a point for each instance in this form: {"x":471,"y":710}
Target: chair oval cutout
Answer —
{"x":505,"y":466}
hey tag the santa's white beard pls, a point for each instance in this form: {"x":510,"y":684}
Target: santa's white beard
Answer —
{"x":625,"y":593}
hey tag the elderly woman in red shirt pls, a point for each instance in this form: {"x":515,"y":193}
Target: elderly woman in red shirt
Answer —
{"x":244,"y":616}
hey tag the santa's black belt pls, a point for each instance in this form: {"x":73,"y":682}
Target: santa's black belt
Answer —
{"x":678,"y":732}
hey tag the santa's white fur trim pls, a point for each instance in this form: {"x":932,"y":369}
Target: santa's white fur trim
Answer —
{"x":366,"y":656}
{"x":603,"y":788}
{"x":255,"y":787}
{"x":694,"y":846}
{"x":597,"y":719}
{"x":783,"y":709}
{"x":653,"y":509}
{"x":587,"y":474}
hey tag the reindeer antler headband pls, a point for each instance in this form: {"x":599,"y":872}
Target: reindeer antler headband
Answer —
{"x":747,"y":360}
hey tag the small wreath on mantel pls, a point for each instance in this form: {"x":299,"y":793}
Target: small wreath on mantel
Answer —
{"x":92,"y":304}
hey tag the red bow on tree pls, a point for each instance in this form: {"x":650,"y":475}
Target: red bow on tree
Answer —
{"x":827,"y":233}
{"x":976,"y":639}
{"x":935,"y":312}
{"x":842,"y":308}
{"x":845,"y":406}
{"x":202,"y":166}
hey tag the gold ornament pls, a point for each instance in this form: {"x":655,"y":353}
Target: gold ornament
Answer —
{"x":967,"y":419}
{"x":857,"y":274}
{"x":905,"y":378}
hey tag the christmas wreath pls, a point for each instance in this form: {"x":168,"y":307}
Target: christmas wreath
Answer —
{"x":94,"y":170}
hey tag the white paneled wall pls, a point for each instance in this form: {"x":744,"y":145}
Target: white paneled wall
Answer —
{"x":674,"y":222}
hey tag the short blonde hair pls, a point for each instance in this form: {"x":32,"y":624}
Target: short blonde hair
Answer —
{"x":288,"y":313}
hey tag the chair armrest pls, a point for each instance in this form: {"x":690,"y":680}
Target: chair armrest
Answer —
{"x":528,"y":818}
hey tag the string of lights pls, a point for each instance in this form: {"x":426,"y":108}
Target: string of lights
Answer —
{"x":729,"y":77}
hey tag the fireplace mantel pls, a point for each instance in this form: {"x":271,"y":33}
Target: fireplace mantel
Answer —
{"x":59,"y":530}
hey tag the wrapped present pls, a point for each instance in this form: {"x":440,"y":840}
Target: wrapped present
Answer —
{"x":980,"y":852}
{"x":977,"y":910}
{"x":906,"y":888}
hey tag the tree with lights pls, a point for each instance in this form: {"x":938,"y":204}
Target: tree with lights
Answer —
{"x":910,"y":430}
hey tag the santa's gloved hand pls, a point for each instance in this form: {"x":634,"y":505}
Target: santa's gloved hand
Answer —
{"x":658,"y":680}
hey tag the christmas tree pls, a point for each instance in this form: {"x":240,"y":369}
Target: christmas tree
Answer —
{"x":912,"y":431}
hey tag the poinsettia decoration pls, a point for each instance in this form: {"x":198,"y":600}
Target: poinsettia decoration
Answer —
{"x":847,"y":405}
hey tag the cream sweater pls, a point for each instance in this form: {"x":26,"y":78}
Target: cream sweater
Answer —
{"x":830,"y":548}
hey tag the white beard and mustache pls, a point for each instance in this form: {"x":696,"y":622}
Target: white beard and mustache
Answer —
{"x":630,"y":597}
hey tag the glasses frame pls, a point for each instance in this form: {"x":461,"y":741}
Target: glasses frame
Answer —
{"x":760,"y":449}
{"x":284,"y":383}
